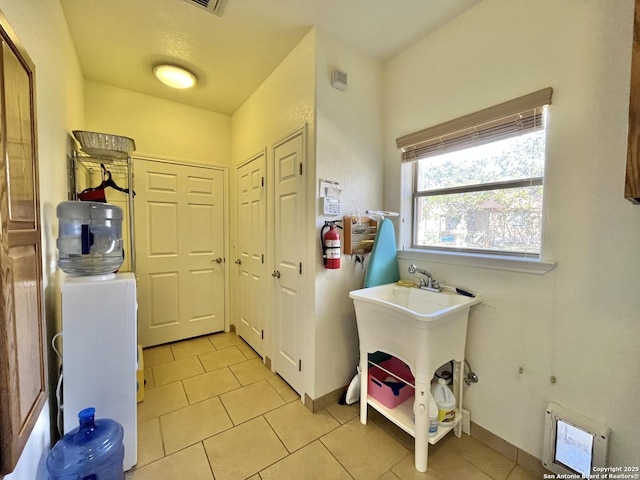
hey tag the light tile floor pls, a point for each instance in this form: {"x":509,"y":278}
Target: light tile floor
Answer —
{"x":212,"y":410}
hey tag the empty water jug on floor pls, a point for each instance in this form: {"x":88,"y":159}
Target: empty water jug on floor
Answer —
{"x":93,"y":451}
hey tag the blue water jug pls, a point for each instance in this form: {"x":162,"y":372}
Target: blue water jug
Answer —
{"x":93,"y":451}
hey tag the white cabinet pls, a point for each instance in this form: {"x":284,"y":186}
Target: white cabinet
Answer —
{"x":100,"y":352}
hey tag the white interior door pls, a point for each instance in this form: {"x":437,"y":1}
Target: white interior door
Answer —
{"x":180,"y":251}
{"x":289,"y":217}
{"x":252,"y":240}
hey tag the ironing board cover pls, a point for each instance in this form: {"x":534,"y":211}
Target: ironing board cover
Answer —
{"x":383,"y":264}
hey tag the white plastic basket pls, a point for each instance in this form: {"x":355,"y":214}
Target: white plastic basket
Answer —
{"x":104,"y":144}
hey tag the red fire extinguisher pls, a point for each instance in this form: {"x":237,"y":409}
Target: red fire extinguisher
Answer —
{"x":330,"y":245}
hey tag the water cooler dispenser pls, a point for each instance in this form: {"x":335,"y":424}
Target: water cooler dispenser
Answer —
{"x":99,"y":345}
{"x":99,"y":320}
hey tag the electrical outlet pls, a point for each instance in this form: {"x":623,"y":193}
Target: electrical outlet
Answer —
{"x":466,"y":421}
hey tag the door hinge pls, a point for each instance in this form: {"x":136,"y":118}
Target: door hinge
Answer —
{"x":300,"y":268}
{"x":262,"y":258}
{"x":262,"y":334}
{"x":300,"y":168}
{"x":300,"y":365}
{"x":262,"y":182}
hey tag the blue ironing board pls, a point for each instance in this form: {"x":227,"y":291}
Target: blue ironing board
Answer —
{"x":383,"y":264}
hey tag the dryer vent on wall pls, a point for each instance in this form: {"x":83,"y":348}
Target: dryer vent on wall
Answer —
{"x":212,"y":6}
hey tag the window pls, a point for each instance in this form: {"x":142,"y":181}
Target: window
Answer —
{"x":477,"y":181}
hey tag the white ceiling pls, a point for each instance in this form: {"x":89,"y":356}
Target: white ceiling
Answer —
{"x":119,"y":41}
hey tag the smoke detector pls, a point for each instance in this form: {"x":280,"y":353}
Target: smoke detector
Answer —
{"x":212,"y":6}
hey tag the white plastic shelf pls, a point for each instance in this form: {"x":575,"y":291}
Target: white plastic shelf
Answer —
{"x":402,"y":416}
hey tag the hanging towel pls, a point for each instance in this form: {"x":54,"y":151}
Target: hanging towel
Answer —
{"x":383,"y":264}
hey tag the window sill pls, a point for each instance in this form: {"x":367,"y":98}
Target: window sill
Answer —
{"x":477,"y":260}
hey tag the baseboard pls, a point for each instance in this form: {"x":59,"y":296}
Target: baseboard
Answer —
{"x":532,"y":465}
{"x":331,"y":398}
{"x":529,"y":463}
{"x":524,"y":460}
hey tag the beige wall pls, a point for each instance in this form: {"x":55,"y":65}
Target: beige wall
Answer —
{"x":161,"y":128}
{"x":348,"y":150}
{"x":284,"y":103}
{"x":578,"y":322}
{"x":344,"y":145}
{"x":42,"y":29}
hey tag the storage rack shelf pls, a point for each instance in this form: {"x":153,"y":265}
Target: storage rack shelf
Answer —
{"x":402,"y":414}
{"x":85,"y":171}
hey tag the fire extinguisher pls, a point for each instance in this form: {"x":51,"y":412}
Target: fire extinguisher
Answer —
{"x":330,"y":242}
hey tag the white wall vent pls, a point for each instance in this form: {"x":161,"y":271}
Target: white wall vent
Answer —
{"x":339,"y":79}
{"x":212,"y":6}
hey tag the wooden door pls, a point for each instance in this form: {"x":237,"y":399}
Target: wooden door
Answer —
{"x":180,"y":251}
{"x":252,"y":239}
{"x":22,"y":374}
{"x":289,"y":162}
{"x":632,"y":180}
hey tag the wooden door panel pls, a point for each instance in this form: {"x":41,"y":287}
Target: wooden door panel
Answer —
{"x":25,"y":265}
{"x":163,"y":299}
{"x":287,"y":169}
{"x":160,"y":182}
{"x":286,"y":234}
{"x":162,"y":229}
{"x":288,"y":331}
{"x":201,"y":220}
{"x":22,"y":368}
{"x":200,"y":285}
{"x":245,"y":312}
{"x":19,"y":142}
{"x":200,"y":186}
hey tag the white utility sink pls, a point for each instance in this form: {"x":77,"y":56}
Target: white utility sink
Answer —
{"x":425,"y":330}
{"x":421,"y":305}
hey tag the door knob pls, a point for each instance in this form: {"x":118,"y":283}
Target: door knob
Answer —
{"x":218,"y":260}
{"x":238,"y":262}
{"x":276,"y":274}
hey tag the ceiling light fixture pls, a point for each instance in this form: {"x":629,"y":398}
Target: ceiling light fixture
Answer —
{"x":175,"y":77}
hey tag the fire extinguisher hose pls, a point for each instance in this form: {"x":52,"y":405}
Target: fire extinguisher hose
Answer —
{"x":324,"y":249}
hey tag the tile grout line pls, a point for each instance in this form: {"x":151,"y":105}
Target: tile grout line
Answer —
{"x":281,"y":443}
{"x":319,"y":439}
{"x":378,"y":426}
{"x":233,"y":425}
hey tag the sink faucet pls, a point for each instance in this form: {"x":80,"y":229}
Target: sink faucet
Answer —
{"x":425,"y":284}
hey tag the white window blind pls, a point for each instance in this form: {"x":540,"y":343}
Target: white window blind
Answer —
{"x":508,"y":119}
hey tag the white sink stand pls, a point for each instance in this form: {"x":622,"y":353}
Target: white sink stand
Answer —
{"x":402,"y":415}
{"x":424,"y":345}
